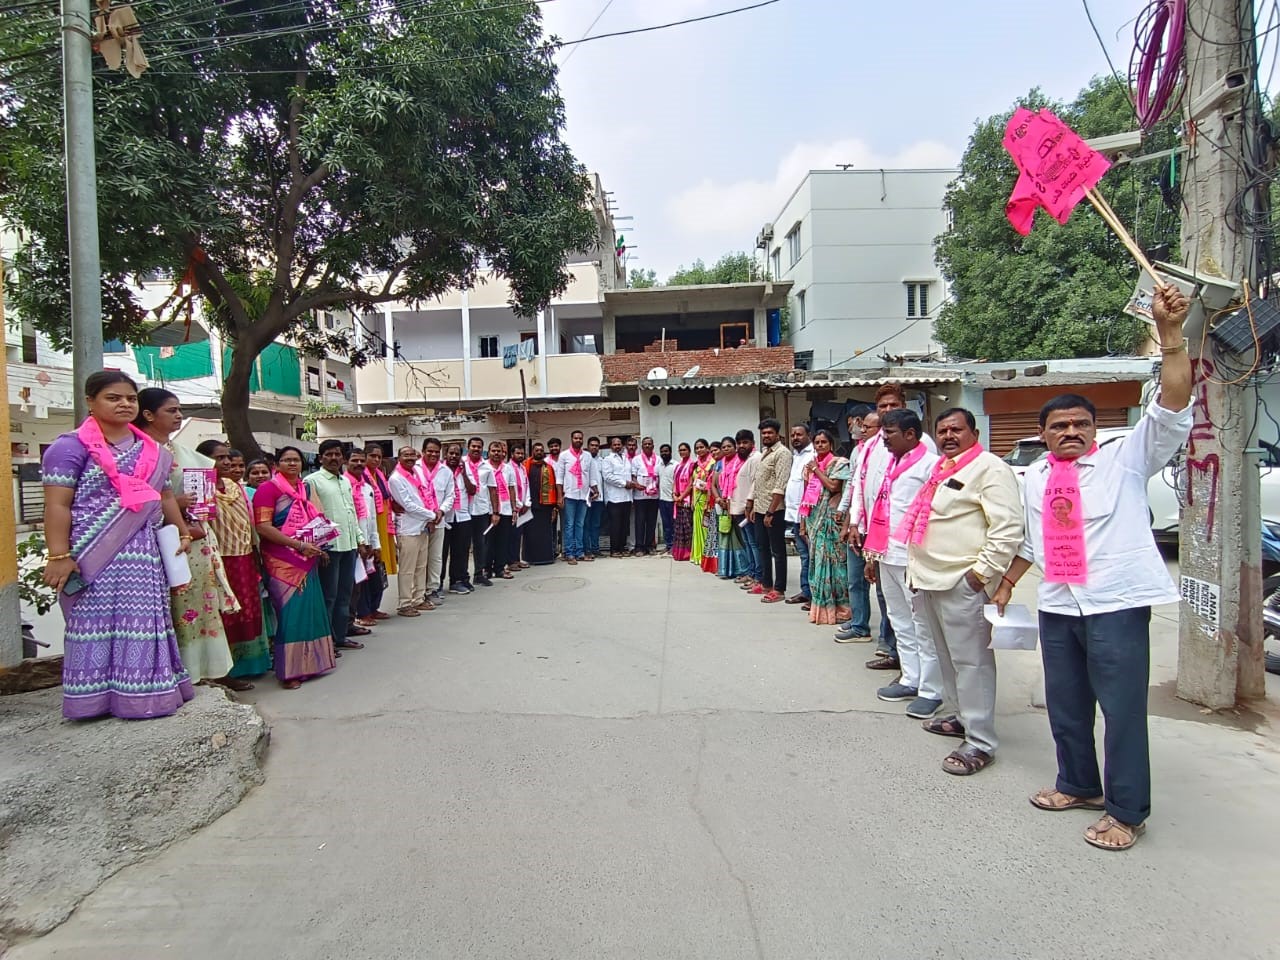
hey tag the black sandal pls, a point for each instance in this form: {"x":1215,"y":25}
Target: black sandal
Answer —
{"x":350,"y":645}
{"x":967,"y":760}
{"x":944,"y":727}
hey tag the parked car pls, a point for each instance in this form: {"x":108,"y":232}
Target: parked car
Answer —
{"x":1167,"y":489}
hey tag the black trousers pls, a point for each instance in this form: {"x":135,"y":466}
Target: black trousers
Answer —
{"x":646,"y":525}
{"x":497,"y":543}
{"x":771,"y":541}
{"x":479,"y":543}
{"x":619,"y":521}
{"x":459,"y":549}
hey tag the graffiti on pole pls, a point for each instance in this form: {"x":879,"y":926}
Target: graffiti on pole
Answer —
{"x":1202,"y":429}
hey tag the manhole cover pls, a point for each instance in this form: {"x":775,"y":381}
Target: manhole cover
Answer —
{"x":556,"y":585}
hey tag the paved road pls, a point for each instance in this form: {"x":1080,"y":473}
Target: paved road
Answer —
{"x":630,"y":759}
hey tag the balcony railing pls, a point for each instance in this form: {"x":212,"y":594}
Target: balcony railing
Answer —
{"x":436,"y":381}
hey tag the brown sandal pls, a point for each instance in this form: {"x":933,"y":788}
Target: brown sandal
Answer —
{"x":291,"y":684}
{"x":944,"y":727}
{"x":1108,"y":823}
{"x":967,"y":760}
{"x":1043,"y":800}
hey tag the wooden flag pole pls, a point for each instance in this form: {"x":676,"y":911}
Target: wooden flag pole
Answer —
{"x":1109,"y":217}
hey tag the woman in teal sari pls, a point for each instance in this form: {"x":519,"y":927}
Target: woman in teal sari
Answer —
{"x":303,"y":645}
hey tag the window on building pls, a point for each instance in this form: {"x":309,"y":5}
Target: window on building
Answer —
{"x":691,"y":396}
{"x":775,"y":263}
{"x":29,"y":353}
{"x":532,"y":335}
{"x":793,"y":246}
{"x":917,"y":299}
{"x":802,"y":316}
{"x":489,"y":346}
{"x":313,"y":381}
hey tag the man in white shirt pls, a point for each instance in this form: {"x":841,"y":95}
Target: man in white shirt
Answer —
{"x":413,"y":532}
{"x":858,"y":627}
{"x":595,"y":505}
{"x":740,"y":501}
{"x":439,"y":478}
{"x":574,"y":488}
{"x":618,"y":485}
{"x":552,"y":459}
{"x":477,"y":476}
{"x":644,"y":494}
{"x":459,"y":524}
{"x":504,"y":500}
{"x":802,"y":453}
{"x":667,"y":494}
{"x":889,"y":493}
{"x":1103,"y":574}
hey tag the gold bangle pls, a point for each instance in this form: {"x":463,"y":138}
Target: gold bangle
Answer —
{"x":58,"y":556}
{"x":1169,"y":351}
{"x":187,"y":538}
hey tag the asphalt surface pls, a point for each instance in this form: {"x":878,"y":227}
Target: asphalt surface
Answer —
{"x":631,"y":759}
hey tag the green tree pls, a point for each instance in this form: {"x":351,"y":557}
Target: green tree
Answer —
{"x":731,"y":268}
{"x":642,"y":279}
{"x":297,"y":157}
{"x":1059,"y":291}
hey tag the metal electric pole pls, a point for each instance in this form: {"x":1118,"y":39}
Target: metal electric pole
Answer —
{"x":82,"y":197}
{"x":1220,"y":634}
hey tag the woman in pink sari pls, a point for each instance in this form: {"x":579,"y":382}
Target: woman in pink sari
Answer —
{"x":303,"y":646}
{"x":682,"y":542}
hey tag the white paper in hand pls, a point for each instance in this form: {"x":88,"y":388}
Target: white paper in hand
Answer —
{"x":176,"y":569}
{"x":1018,"y":629}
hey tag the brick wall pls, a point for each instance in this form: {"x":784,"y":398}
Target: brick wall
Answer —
{"x":632,"y":367}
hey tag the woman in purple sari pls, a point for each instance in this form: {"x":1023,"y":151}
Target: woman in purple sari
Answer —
{"x":303,"y":645}
{"x":106,"y":489}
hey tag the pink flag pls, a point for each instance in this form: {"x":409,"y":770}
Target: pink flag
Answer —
{"x":1055,"y":167}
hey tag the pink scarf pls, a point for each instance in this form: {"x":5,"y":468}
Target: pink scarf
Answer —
{"x":459,"y":492}
{"x":500,"y":478}
{"x":650,"y":464}
{"x":1063,"y":539}
{"x":575,"y":468}
{"x":864,"y":455}
{"x":379,"y":501}
{"x":135,"y":489}
{"x":916,"y":523}
{"x":729,"y":476}
{"x":362,"y":508}
{"x":522,"y":479}
{"x":426,"y":492}
{"x":877,"y":540}
{"x":301,"y":511}
{"x":813,"y":489}
{"x":683,"y":476}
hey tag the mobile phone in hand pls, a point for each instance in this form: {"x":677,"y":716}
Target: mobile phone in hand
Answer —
{"x":75,"y":583}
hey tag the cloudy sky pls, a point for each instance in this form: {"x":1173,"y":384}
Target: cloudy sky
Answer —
{"x":702,"y":131}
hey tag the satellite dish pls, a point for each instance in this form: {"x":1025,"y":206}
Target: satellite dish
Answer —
{"x":693,"y":371}
{"x":658,"y":373}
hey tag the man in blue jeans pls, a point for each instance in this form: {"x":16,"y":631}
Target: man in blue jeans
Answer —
{"x":1102,"y":576}
{"x":574,"y":489}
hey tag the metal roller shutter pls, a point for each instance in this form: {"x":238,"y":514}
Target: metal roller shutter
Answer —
{"x":1008,"y":428}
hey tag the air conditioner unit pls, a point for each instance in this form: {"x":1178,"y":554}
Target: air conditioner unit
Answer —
{"x":764,"y":237}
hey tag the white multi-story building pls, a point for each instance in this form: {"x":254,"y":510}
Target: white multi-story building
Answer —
{"x":858,"y":247}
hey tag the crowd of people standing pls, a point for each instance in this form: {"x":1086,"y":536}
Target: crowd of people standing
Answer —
{"x":287,"y":568}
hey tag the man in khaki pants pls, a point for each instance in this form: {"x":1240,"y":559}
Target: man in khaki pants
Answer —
{"x":421,"y":515}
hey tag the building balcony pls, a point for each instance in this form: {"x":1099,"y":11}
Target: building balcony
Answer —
{"x":426,"y":382}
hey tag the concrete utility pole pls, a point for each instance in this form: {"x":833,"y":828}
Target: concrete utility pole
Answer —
{"x":10,"y":604}
{"x":1220,"y":626}
{"x":82,"y":198}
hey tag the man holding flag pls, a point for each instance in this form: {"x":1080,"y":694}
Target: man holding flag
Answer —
{"x":1102,"y":576}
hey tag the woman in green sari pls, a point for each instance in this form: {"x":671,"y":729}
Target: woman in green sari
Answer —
{"x":703,"y":465}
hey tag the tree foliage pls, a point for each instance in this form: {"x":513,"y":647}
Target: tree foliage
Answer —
{"x":291,"y":157}
{"x":731,"y":268}
{"x":641,"y":279}
{"x":1059,"y":291}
